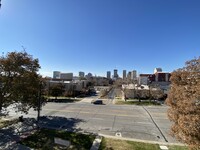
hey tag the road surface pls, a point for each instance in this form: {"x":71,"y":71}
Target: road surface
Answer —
{"x":128,"y":121}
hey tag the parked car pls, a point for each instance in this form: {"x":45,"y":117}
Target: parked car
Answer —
{"x":98,"y":101}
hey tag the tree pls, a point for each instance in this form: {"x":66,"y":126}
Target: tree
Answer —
{"x":56,"y":90}
{"x":19,"y":81}
{"x":184,"y":102}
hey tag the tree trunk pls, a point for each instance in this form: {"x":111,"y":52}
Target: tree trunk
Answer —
{"x":0,"y":106}
{"x":1,"y":103}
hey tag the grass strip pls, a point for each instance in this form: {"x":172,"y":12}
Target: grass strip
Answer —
{"x":44,"y":139}
{"x":116,"y":144}
{"x":5,"y":123}
{"x":143,"y":103}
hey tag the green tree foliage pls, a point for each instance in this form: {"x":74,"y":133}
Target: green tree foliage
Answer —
{"x":184,"y":102}
{"x":19,"y":81}
{"x":56,"y":90}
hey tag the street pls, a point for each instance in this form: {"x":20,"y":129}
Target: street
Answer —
{"x":127,"y":121}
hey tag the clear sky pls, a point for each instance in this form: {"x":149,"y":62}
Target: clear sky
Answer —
{"x":100,"y":35}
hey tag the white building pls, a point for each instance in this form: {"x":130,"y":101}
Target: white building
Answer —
{"x":76,"y":85}
{"x":80,"y":84}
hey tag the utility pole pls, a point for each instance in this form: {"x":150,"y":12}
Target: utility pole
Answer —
{"x":0,"y":3}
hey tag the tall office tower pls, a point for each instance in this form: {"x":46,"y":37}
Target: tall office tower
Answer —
{"x":124,"y":74}
{"x":115,"y":73}
{"x":56,"y":75}
{"x":108,"y":74}
{"x":129,"y":75}
{"x":81,"y":74}
{"x":133,"y":75}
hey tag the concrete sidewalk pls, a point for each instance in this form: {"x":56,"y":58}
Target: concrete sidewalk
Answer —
{"x":96,"y":143}
{"x":11,"y":135}
{"x":143,"y":141}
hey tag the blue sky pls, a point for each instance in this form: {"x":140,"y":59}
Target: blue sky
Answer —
{"x":100,"y":35}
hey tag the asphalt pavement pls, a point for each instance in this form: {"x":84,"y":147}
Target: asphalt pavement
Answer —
{"x":127,"y":121}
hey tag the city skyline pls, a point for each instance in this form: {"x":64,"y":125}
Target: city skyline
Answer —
{"x":108,"y":74}
{"x":100,"y":36}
